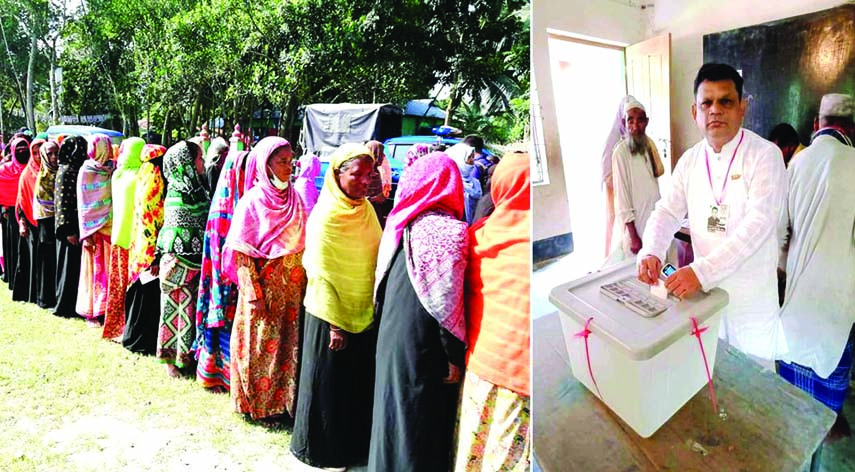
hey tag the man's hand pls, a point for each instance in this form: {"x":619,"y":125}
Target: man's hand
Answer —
{"x":635,"y":245}
{"x":648,"y":270}
{"x":683,"y":283}
{"x":634,"y":238}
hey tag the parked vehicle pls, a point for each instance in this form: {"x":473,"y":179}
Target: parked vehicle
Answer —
{"x":82,"y":130}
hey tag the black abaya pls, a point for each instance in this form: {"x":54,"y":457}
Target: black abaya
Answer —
{"x":46,"y":264}
{"x":142,"y":317}
{"x":414,"y":411}
{"x":67,"y":277}
{"x":10,"y":245}
{"x":26,"y":277}
{"x":332,"y":425}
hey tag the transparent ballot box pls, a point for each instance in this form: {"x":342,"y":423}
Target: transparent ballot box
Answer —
{"x":643,"y":351}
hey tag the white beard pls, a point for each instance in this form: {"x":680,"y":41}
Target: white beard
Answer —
{"x":638,"y":145}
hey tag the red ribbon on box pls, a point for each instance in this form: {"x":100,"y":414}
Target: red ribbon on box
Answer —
{"x":584,"y":334}
{"x":696,"y":332}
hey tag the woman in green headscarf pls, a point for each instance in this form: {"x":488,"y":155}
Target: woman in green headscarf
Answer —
{"x":124,"y":186}
{"x":179,"y":245}
{"x":332,"y":425}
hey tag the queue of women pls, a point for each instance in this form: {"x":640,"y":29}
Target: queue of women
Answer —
{"x":404,"y":347}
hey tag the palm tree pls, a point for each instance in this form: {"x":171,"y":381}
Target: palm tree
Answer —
{"x":482,"y":43}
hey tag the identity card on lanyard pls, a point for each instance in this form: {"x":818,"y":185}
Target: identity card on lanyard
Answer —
{"x":717,"y":221}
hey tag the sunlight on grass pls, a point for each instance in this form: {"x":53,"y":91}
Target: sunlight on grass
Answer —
{"x":70,"y":400}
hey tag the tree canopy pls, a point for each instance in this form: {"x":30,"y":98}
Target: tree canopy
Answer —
{"x":175,"y":64}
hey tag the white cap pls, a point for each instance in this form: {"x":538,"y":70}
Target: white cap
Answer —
{"x":630,"y":102}
{"x":837,"y":104}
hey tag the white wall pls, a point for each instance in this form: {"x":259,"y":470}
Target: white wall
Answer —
{"x":688,"y":22}
{"x":602,"y":19}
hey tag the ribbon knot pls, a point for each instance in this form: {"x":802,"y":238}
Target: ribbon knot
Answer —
{"x":584,"y":334}
{"x":696,"y":332}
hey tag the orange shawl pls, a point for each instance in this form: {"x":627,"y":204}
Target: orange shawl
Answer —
{"x":498,"y":281}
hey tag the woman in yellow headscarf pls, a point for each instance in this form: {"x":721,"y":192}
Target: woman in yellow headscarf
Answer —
{"x":332,"y":424}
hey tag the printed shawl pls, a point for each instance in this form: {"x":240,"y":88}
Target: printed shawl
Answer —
{"x":43,"y":206}
{"x":186,"y":205}
{"x":94,"y":189}
{"x":148,"y":211}
{"x":72,"y":155}
{"x":428,"y":215}
{"x":213,"y":306}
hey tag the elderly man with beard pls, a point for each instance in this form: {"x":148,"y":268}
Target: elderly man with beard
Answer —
{"x":635,"y":167}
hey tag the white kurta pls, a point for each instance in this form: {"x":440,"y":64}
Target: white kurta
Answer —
{"x":819,"y":307}
{"x":636,"y":194}
{"x":743,"y":259}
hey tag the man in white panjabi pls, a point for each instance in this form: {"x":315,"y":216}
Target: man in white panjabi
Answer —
{"x":819,"y":302}
{"x":635,"y":167}
{"x":740,"y":177}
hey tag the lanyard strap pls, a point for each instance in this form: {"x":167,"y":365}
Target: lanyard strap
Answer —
{"x":726,"y":177}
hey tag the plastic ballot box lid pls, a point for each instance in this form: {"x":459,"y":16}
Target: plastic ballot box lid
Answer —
{"x":639,"y":337}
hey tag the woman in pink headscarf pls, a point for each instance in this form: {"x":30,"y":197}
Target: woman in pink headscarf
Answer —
{"x":310,"y":167}
{"x":421,"y":341}
{"x":266,"y":241}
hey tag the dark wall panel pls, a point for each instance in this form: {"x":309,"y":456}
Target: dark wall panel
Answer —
{"x":788,"y":65}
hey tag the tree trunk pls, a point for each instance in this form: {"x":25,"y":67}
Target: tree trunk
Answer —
{"x":166,"y":140}
{"x":135,"y":122}
{"x":148,"y":123}
{"x":30,"y":111}
{"x":53,"y":99}
{"x":453,"y":103}
{"x":194,"y":115}
{"x":289,"y":119}
{"x":2,"y":127}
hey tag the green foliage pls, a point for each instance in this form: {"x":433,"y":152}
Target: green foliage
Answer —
{"x":192,"y":60}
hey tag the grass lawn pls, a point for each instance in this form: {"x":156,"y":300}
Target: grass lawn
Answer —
{"x":71,"y":401}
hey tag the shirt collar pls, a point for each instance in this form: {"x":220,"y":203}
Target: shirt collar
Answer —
{"x":727,"y":149}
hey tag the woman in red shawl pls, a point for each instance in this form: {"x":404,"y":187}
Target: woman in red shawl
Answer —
{"x":421,"y":340}
{"x":26,"y":276}
{"x":10,"y":176}
{"x":493,"y":433}
{"x":266,"y":241}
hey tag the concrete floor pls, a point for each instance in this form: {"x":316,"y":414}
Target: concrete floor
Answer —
{"x":836,"y":457}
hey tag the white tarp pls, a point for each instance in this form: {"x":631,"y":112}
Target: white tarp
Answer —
{"x":328,"y":126}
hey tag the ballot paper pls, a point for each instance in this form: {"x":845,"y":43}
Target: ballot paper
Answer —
{"x":659,"y":291}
